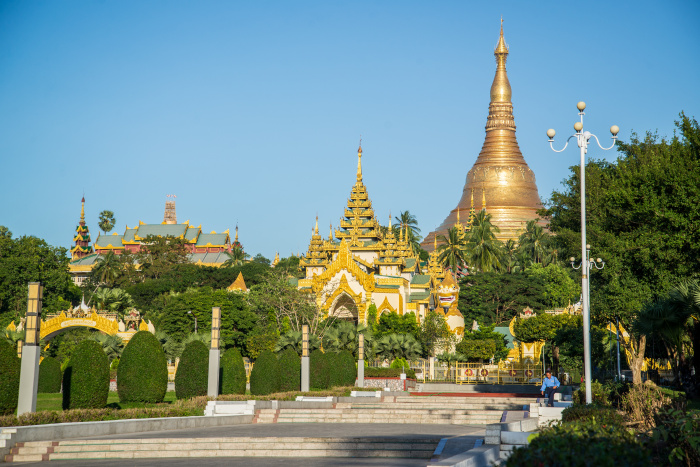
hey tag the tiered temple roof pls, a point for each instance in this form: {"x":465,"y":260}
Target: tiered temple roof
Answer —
{"x":82,"y":236}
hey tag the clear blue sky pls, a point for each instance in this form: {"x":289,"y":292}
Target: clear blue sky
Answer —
{"x":251,"y":112}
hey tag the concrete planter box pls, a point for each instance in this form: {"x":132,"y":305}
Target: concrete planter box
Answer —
{"x":394,"y":384}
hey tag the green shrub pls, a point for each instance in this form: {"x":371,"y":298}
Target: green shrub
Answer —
{"x":10,"y":366}
{"x":600,"y":394}
{"x":677,"y":436}
{"x":643,"y":401}
{"x":400,"y":364}
{"x":319,"y":377}
{"x":233,"y":377}
{"x":142,"y":371}
{"x":86,"y":379}
{"x":582,"y":444}
{"x":616,"y":390}
{"x":333,"y":369}
{"x":347,"y":369}
{"x":191,"y":379}
{"x":264,"y":378}
{"x":388,"y":373}
{"x":50,"y":375}
{"x":601,"y":414}
{"x":289,"y":371}
{"x":476,"y":350}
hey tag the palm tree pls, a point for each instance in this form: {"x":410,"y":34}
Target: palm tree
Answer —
{"x":171,"y":347}
{"x":482,"y":247}
{"x":344,"y":335}
{"x":108,"y":269}
{"x":116,"y":300}
{"x":391,"y":346}
{"x":409,"y":222}
{"x":452,"y":250}
{"x":111,"y":344}
{"x":510,"y":260}
{"x":535,"y":241}
{"x":293,"y":340}
{"x":107,"y":221}
{"x":238,"y":257}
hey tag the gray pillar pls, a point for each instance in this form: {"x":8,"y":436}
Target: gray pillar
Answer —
{"x":360,"y":373}
{"x":213,"y":387}
{"x":305,"y":374}
{"x":29,"y":371}
{"x":29,"y":379}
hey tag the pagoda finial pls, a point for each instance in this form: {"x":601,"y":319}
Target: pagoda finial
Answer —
{"x":483,"y":199}
{"x":458,"y":222}
{"x":390,"y":219}
{"x":316,"y":228}
{"x":236,"y":233}
{"x":330,"y":235}
{"x":435,"y":243}
{"x":82,"y":210}
{"x":500,"y":89}
{"x":359,"y":161}
{"x":472,"y":198}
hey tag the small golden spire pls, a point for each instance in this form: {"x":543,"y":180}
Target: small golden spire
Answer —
{"x":389,"y":219}
{"x":500,"y":89}
{"x":458,"y":222}
{"x":82,"y":210}
{"x":435,"y":243}
{"x":483,"y":199}
{"x":359,"y":162}
{"x":236,"y":240}
{"x":330,"y":235}
{"x":472,"y":198}
{"x":316,"y":228}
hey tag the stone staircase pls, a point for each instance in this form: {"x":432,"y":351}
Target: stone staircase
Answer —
{"x":425,"y":410}
{"x":375,"y":447}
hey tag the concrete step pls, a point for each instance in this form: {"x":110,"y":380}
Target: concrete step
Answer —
{"x":422,"y":448}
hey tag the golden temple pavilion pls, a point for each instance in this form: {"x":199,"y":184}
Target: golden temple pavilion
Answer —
{"x":358,"y":265}
{"x":500,"y":173}
{"x":204,"y":249}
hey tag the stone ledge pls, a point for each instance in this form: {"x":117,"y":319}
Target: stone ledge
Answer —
{"x":483,"y":456}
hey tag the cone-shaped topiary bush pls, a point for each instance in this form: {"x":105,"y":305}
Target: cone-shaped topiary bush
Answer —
{"x":289,"y":370}
{"x":50,"y":375}
{"x":319,"y":370}
{"x":142,"y":371}
{"x":233,"y":378}
{"x":86,"y":379}
{"x":9,"y":378}
{"x":347,"y":370}
{"x":191,"y":379}
{"x":264,"y":379}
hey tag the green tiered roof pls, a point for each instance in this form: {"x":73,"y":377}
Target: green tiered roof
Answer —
{"x":82,"y":246}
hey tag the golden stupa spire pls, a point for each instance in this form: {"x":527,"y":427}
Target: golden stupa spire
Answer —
{"x":389,"y":220}
{"x":483,"y":199}
{"x":82,"y":210}
{"x":435,"y":243}
{"x":500,"y":89}
{"x":359,"y":162}
{"x":316,"y":228}
{"x":330,"y":235}
{"x":236,"y":240}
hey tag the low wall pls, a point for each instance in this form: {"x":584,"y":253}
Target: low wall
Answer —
{"x":394,"y":384}
{"x":485,"y":388}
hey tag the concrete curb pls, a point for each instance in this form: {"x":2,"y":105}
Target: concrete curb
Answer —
{"x":483,"y":456}
{"x":59,"y":431}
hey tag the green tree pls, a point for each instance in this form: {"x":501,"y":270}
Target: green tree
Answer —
{"x":238,"y":257}
{"x":483,"y":249}
{"x":476,"y":350}
{"x":492,"y":298}
{"x":487,"y":333}
{"x":510,"y":261}
{"x":535,"y":242}
{"x":107,"y":221}
{"x":393,"y":346}
{"x":452,"y":250}
{"x":112,"y":345}
{"x":435,"y":334}
{"x":191,"y":378}
{"x":640,"y":209}
{"x":142,"y":375}
{"x":107,"y":269}
{"x":393,"y":323}
{"x":86,"y":379}
{"x":264,"y":378}
{"x":50,"y":376}
{"x":289,"y":371}
{"x":233,"y":377}
{"x":115,"y":300}
{"x":159,"y":255}
{"x":290,"y":266}
{"x":293,"y":340}
{"x":560,"y":289}
{"x":344,"y":335}
{"x":9,"y":378}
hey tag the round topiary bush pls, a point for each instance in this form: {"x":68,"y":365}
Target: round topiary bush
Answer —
{"x":10,"y":366}
{"x":142,"y":371}
{"x":86,"y":379}
{"x":233,"y":377}
{"x":191,"y":379}
{"x":319,"y":370}
{"x":264,"y":378}
{"x":347,"y":369}
{"x":50,"y":375}
{"x":289,"y":371}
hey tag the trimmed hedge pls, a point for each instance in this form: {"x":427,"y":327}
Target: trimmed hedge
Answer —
{"x":142,"y":371}
{"x":346,"y":369}
{"x":264,"y":378}
{"x":604,"y":415}
{"x":582,"y":443}
{"x":50,"y":375}
{"x":191,"y":379}
{"x":86,"y":379}
{"x":371,"y":372}
{"x":319,"y":377}
{"x":289,"y":371}
{"x":10,"y":366}
{"x":233,"y":378}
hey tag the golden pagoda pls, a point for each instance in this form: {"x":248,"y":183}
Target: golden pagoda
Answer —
{"x":358,"y":265}
{"x":238,"y":285}
{"x":500,"y":173}
{"x":82,"y":246}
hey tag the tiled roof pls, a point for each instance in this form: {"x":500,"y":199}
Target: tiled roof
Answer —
{"x":104,"y":241}
{"x":162,"y":230}
{"x":505,"y":330}
{"x":209,"y":258}
{"x":213,"y":239}
{"x":85,"y":261}
{"x":420,"y":279}
{"x":417,"y":296}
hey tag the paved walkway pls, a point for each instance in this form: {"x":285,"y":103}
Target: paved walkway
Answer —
{"x":466,"y":434}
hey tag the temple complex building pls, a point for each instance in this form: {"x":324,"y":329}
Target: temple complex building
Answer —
{"x":204,"y":249}
{"x":358,"y":265}
{"x":500,"y":174}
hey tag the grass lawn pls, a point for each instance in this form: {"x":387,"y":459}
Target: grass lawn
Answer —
{"x":46,"y":401}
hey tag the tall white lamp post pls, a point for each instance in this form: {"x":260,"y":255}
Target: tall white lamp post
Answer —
{"x":582,"y":139}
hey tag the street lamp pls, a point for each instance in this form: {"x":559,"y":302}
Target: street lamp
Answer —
{"x":582,"y":139}
{"x":195,"y":320}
